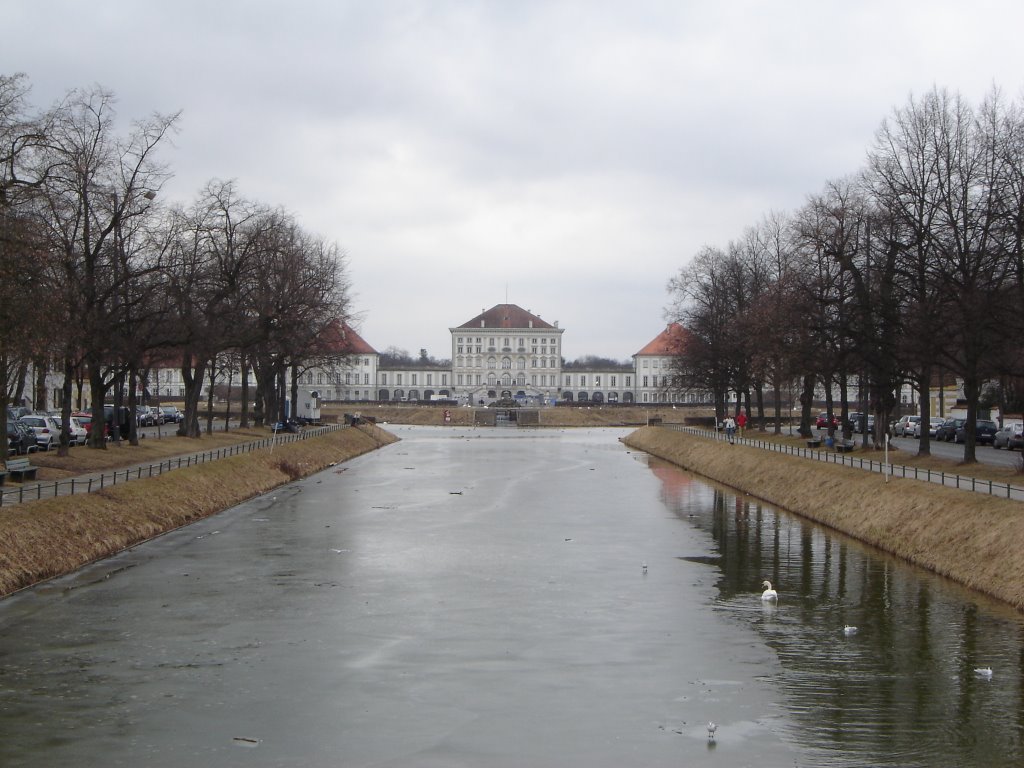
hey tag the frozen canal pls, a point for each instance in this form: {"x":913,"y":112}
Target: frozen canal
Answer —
{"x":476,"y":597}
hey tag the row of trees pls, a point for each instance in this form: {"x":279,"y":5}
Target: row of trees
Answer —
{"x":101,"y":278}
{"x":912,"y":270}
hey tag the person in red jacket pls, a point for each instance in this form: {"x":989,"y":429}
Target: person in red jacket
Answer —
{"x":741,"y":421}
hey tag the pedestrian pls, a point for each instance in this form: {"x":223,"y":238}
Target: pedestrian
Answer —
{"x":730,"y":428}
{"x":741,"y":420}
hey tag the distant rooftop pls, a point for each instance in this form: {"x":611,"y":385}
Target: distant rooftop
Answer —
{"x":507,"y":316}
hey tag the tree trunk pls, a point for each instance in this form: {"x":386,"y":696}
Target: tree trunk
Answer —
{"x":193,"y":380}
{"x":65,"y":408}
{"x":806,"y":401}
{"x":924,"y":446}
{"x":244,"y":418}
{"x":777,"y":398}
{"x":133,"y":407}
{"x":98,"y":389}
{"x":212,"y":378}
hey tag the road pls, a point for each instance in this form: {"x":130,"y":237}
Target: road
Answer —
{"x":985,"y":454}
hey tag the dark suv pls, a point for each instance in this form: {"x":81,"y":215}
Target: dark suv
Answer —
{"x":984,"y":432}
{"x":20,"y":439}
{"x":948,"y":429}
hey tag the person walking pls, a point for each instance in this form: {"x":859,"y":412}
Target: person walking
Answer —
{"x":730,"y":428}
{"x":741,"y":421}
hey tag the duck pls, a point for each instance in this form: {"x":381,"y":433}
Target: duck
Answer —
{"x":769,"y":593}
{"x":848,"y":630}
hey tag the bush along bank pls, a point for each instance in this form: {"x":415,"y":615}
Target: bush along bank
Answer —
{"x":44,"y":539}
{"x":973,"y":539}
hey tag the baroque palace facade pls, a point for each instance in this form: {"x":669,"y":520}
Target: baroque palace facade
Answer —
{"x":505,"y":352}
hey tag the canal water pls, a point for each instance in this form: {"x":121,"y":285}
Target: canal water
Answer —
{"x":500,"y":597}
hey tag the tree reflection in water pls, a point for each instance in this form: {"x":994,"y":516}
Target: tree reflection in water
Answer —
{"x":903,"y":689}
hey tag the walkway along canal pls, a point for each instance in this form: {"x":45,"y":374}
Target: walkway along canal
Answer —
{"x":479,"y":597}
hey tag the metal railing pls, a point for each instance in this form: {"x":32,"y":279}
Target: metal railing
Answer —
{"x":36,"y":490}
{"x":948,"y":479}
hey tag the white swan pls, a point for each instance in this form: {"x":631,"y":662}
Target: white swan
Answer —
{"x":769,"y":593}
{"x":983,"y":671}
{"x":848,"y":630}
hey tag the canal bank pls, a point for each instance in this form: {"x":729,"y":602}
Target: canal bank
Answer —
{"x":52,"y":537}
{"x":973,"y":540}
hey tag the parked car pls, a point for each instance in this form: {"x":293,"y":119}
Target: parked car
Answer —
{"x":984,"y":432}
{"x":145,"y":416}
{"x":947,"y":431}
{"x":77,"y":434}
{"x":1010,"y":436}
{"x":905,"y":426}
{"x":122,"y":422}
{"x":171,"y":414}
{"x":18,"y":442}
{"x":46,"y":429}
{"x":933,"y":426}
{"x":85,"y":420}
{"x":822,"y":422}
{"x":857,"y":422}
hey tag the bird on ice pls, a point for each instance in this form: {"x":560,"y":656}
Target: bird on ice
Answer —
{"x":644,"y":567}
{"x":712,"y":727}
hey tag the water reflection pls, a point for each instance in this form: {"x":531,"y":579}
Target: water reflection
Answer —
{"x":902,"y":690}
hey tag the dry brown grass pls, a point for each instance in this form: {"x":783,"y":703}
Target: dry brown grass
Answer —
{"x":974,"y":539}
{"x":47,"y":538}
{"x":82,"y":459}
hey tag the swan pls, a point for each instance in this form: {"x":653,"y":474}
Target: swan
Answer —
{"x":848,"y":630}
{"x":983,"y":671}
{"x":769,"y":593}
{"x":711,"y":731}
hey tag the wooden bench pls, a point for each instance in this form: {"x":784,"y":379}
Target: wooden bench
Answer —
{"x":814,"y":442}
{"x":845,"y":446}
{"x":20,"y":469}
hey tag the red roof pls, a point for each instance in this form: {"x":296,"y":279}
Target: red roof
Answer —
{"x":340,"y":338}
{"x":506,"y":316}
{"x":669,"y":342}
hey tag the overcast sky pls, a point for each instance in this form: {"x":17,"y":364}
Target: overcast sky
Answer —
{"x":569,"y":157}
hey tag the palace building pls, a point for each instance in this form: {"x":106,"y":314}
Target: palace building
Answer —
{"x":507,"y":352}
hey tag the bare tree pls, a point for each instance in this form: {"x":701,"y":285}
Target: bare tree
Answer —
{"x":97,"y":185}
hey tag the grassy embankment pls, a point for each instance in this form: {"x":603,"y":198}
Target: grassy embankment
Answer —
{"x":43,"y":539}
{"x":974,"y":539}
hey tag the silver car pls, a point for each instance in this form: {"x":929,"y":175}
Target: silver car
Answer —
{"x":933,"y":426}
{"x":46,"y":428}
{"x":905,"y":426}
{"x":1010,"y":436}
